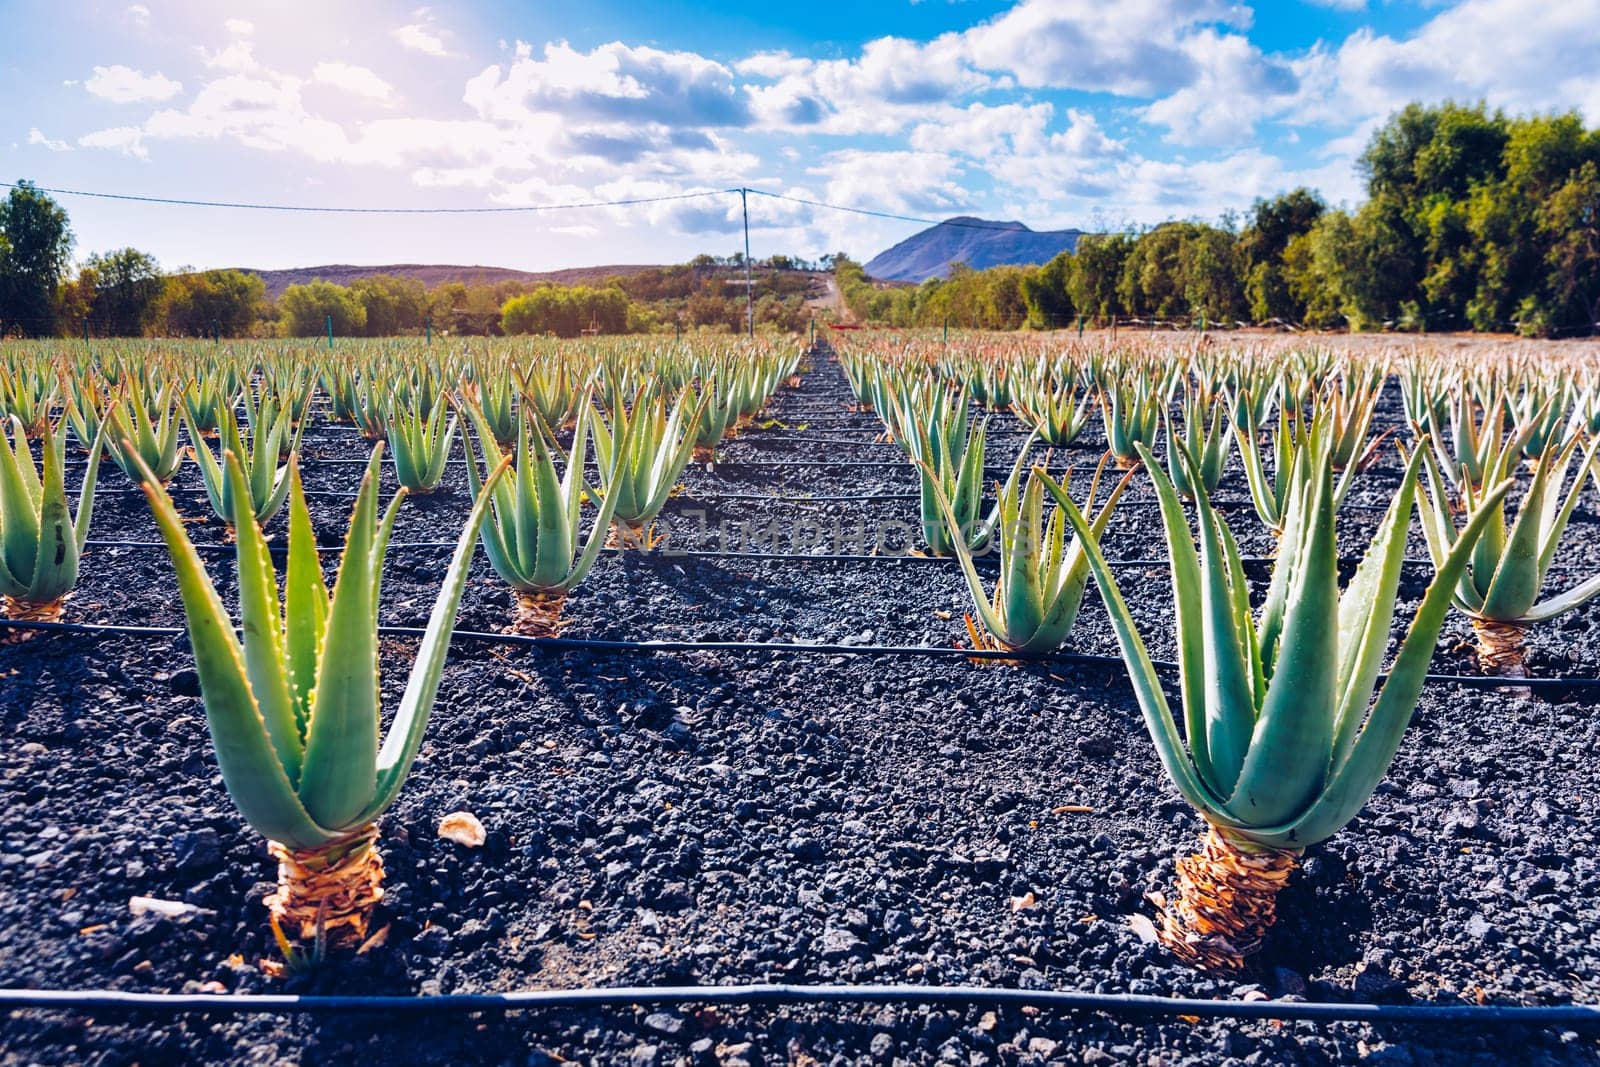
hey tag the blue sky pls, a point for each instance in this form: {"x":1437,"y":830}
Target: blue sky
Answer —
{"x":1055,"y":112}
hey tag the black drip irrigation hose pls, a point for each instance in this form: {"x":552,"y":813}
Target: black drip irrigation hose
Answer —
{"x":798,"y":501}
{"x":668,"y":554}
{"x":585,"y":644}
{"x":1575,"y":1017}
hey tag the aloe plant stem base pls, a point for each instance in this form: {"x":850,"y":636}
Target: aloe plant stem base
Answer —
{"x":983,"y":641}
{"x":28,"y":611}
{"x":335,"y":887}
{"x":704,"y":453}
{"x":538,"y":614}
{"x":626,"y":535}
{"x":1227,"y":901}
{"x":1501,"y":649}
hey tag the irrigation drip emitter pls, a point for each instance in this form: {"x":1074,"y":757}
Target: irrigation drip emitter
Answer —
{"x":791,"y":648}
{"x":1572,"y":1017}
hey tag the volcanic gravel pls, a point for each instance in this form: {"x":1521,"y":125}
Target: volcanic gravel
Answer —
{"x":777,"y":816}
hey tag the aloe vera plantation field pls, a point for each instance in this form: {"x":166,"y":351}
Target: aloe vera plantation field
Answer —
{"x":1234,"y":668}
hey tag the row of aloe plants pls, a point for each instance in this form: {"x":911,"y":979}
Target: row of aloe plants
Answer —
{"x":1475,"y":423}
{"x":646,"y":413}
{"x":291,"y":691}
{"x":1283,"y":730}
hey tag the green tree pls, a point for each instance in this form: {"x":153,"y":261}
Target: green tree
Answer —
{"x":1314,"y":270}
{"x":1181,"y":269}
{"x":1100,"y":259}
{"x":1210,"y":272}
{"x":1273,"y":224}
{"x":1047,"y":292}
{"x":394,"y":305}
{"x":566,"y":311}
{"x":35,"y":251}
{"x":231,"y":301}
{"x":127,"y":288}
{"x":304,"y":310}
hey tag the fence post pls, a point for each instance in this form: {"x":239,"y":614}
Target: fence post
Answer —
{"x":330,"y":331}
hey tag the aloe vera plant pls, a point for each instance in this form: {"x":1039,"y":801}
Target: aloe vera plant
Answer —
{"x":1282,"y":741}
{"x":420,"y":445}
{"x":203,"y":405}
{"x":1132,"y":410}
{"x":265,"y":436}
{"x":1058,"y":414}
{"x":932,"y":425}
{"x":492,"y":399}
{"x":1467,"y":454}
{"x":294,"y":707}
{"x":339,"y":382}
{"x":1202,"y":439}
{"x":28,"y":392}
{"x":1541,"y":408}
{"x":646,"y":449}
{"x":1296,"y":432}
{"x":1350,"y":401}
{"x":1500,"y":588}
{"x":1043,"y":574}
{"x":553,"y":392}
{"x":144,"y":433}
{"x":724,"y":404}
{"x":85,"y":408}
{"x":533,"y":534}
{"x":41,"y":540}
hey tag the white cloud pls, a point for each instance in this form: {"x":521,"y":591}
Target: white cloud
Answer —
{"x":983,"y":131}
{"x":1131,"y":49}
{"x":240,"y":27}
{"x":906,"y":183}
{"x":1234,"y":86}
{"x":129,"y":140}
{"x":358,"y":81}
{"x":238,"y":56}
{"x":610,"y":83}
{"x":138,"y":14}
{"x":37,"y":137}
{"x":421,"y":36}
{"x":892,"y":84}
{"x":772,"y":65}
{"x":124,"y":85}
{"x":1490,"y":49}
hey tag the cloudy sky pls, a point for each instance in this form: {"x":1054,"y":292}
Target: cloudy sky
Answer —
{"x":1056,"y":112}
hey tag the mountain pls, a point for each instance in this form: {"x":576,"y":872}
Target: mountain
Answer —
{"x":979,"y":243}
{"x":435,"y":274}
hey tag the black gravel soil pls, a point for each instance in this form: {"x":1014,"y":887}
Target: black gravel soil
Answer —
{"x":792,"y":817}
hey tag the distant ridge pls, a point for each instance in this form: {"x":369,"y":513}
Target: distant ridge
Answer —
{"x":437,"y":274}
{"x":979,"y":243}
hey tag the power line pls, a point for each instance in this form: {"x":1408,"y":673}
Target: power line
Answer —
{"x":497,"y":210}
{"x":508,"y":209}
